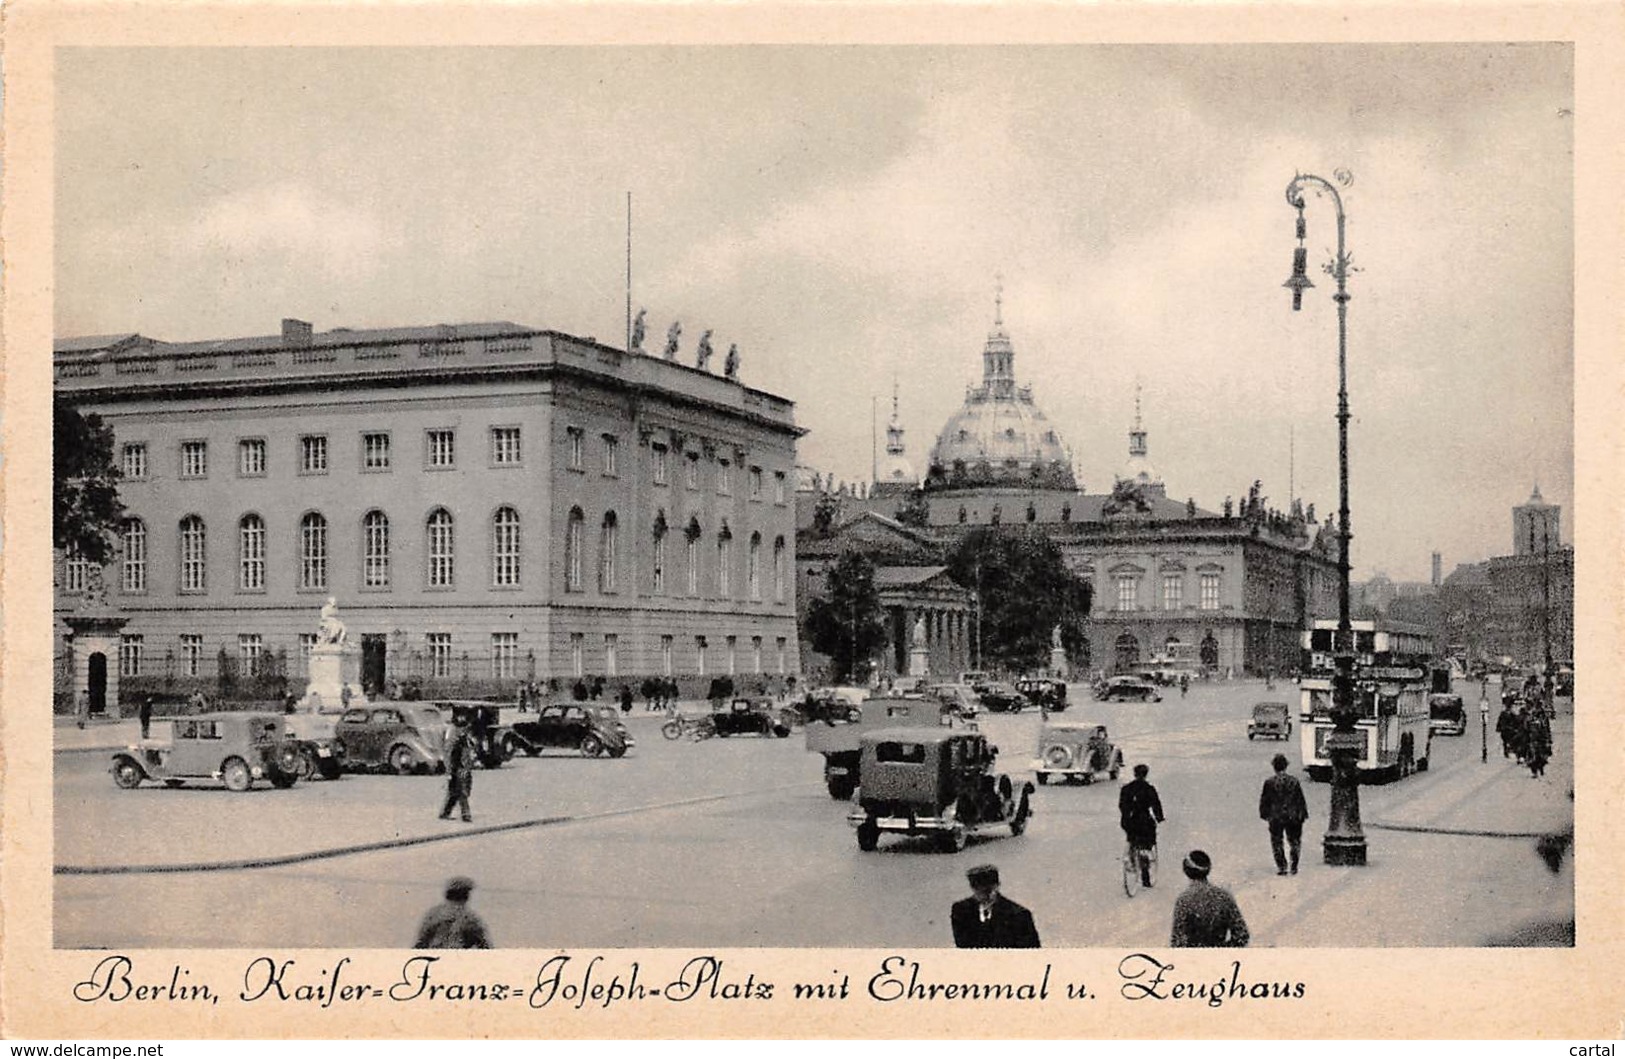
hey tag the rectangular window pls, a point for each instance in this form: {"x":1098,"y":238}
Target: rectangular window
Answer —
{"x":504,"y":654}
{"x":375,"y":452}
{"x":725,"y":478}
{"x":129,"y":656}
{"x":575,"y":448}
{"x":665,"y":655}
{"x":1210,"y":591}
{"x":578,"y":651}
{"x":313,"y":454}
{"x":440,"y":449}
{"x":1128,"y":591}
{"x":691,"y":471}
{"x":505,"y":450}
{"x":75,"y":570}
{"x":135,"y":460}
{"x":756,"y":483}
{"x":612,"y":654}
{"x":307,"y":642}
{"x":1173,"y":591}
{"x":693,"y":550}
{"x":251,"y":458}
{"x":778,"y":487}
{"x":250,"y":649}
{"x":612,"y":455}
{"x":251,"y":558}
{"x":439,"y":645}
{"x":192,"y":653}
{"x":658,"y":457}
{"x":375,"y":550}
{"x":658,"y":566}
{"x":133,"y":546}
{"x":194,"y":459}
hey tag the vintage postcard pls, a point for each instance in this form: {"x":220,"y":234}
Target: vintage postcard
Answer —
{"x":726,"y":509}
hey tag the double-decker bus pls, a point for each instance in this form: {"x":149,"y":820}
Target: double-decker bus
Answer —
{"x":1392,"y":671}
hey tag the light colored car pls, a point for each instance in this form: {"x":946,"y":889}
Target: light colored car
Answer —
{"x":1076,"y":751}
{"x":234,"y":748}
{"x":1271,"y":719}
{"x":960,"y":699}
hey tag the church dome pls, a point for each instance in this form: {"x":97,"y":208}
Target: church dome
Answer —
{"x":999,"y":437}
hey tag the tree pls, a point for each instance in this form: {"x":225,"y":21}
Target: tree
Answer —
{"x":914,"y":510}
{"x":1024,"y":590}
{"x":846,"y":624}
{"x":85,"y":506}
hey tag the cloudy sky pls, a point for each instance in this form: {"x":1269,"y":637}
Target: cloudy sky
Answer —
{"x":841,"y":213}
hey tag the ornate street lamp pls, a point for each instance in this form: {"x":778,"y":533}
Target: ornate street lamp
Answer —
{"x":1344,"y":842}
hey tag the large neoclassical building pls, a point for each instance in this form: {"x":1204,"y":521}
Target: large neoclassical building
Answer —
{"x":488,"y":503}
{"x":1232,"y":587}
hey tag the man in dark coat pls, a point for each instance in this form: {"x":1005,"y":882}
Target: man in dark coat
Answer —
{"x":459,"y":768}
{"x":1281,"y":804}
{"x":989,"y":920}
{"x":1506,"y":726}
{"x":146,"y":717}
{"x":1206,"y":916}
{"x":1139,"y":811}
{"x":451,"y":924}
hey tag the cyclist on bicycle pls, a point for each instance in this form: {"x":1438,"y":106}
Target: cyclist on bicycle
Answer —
{"x":1140,"y":811}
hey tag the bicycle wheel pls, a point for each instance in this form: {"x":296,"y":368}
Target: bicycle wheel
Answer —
{"x":1150,"y":863}
{"x":1131,"y":872}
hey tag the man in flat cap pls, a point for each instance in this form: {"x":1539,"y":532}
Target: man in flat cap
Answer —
{"x":1206,"y":916}
{"x":989,"y":920}
{"x":451,"y":924}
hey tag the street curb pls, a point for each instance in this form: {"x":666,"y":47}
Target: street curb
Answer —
{"x":1466,"y":832}
{"x":394,"y":843}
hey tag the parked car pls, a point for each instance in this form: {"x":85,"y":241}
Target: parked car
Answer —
{"x":574,"y":726}
{"x":1128,"y":689}
{"x":937,"y":782}
{"x":401,"y":737}
{"x":840,"y":739}
{"x":1000,"y":697}
{"x":1271,"y":719}
{"x":1043,"y":692}
{"x":321,"y":751}
{"x":750,"y":717}
{"x":1447,"y":715}
{"x":960,"y":700}
{"x":495,"y":743}
{"x":1076,"y":751}
{"x":234,"y":748}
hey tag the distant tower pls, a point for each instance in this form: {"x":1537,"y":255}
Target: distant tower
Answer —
{"x":1438,"y":569}
{"x":1139,"y":469}
{"x":1536,"y":525}
{"x":896,"y":472}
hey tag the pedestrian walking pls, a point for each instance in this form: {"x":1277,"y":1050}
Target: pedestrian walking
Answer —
{"x":989,"y":920}
{"x":1282,"y":805}
{"x":459,"y":769}
{"x":626,"y":699}
{"x":579,"y":692}
{"x":1184,"y":684}
{"x":451,"y":924}
{"x":146,"y":717}
{"x":81,"y":708}
{"x":1139,"y":811}
{"x":1506,"y":726}
{"x":1206,"y":916}
{"x":1538,"y":744}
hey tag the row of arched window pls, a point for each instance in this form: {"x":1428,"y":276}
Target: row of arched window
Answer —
{"x":440,"y":554}
{"x":723,"y":569}
{"x":439,"y":530}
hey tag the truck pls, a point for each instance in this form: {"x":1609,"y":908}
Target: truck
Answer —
{"x":841,"y":741}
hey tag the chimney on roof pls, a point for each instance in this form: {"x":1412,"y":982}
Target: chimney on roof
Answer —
{"x":295,"y":332}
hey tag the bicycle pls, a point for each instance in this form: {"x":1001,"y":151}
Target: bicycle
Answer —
{"x":1132,"y":857}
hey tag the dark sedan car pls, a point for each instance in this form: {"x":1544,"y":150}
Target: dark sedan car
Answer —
{"x":591,"y":730}
{"x":1129,"y":689}
{"x":750,"y":717}
{"x":1000,"y":697}
{"x":400,"y":737}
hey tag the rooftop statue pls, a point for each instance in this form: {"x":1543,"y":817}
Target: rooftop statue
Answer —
{"x":702,"y":355}
{"x":673,"y":333}
{"x":730,"y":367}
{"x":638,"y":327}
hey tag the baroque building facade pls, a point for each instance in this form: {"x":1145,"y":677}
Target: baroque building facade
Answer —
{"x":490,"y":503}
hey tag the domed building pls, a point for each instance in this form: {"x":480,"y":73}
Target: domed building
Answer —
{"x":999,"y":437}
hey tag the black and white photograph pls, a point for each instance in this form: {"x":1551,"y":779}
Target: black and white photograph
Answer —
{"x":817,"y":496}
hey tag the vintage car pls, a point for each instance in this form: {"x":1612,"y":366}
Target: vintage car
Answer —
{"x":321,"y":751}
{"x":1000,"y":697}
{"x":840,"y":739}
{"x":1272,"y":719}
{"x":592,"y":731}
{"x":401,"y":737}
{"x":1128,"y":689}
{"x":1043,"y":692}
{"x":495,"y":743}
{"x":1076,"y":751}
{"x":937,"y":782}
{"x":960,"y":700}
{"x":1447,"y":714}
{"x":750,"y":717}
{"x":235,"y":748}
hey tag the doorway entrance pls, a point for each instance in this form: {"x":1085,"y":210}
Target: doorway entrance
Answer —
{"x":98,"y":683}
{"x":373,"y":651}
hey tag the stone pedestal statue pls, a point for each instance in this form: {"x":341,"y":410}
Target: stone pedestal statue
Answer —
{"x":919,"y":659}
{"x":1057,"y":655}
{"x":335,"y":668}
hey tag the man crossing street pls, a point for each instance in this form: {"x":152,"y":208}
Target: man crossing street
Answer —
{"x":1282,"y":805}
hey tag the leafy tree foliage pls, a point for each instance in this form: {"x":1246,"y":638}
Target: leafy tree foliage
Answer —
{"x":1025,"y":591}
{"x":846,"y":623}
{"x":914,"y":510}
{"x":86,"y":509}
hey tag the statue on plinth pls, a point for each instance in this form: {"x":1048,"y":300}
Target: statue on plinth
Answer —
{"x":638,"y":326}
{"x":730,"y":366}
{"x":702,"y":355}
{"x":673,"y":333}
{"x":331,"y":630}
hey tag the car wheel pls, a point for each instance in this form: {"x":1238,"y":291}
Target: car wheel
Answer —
{"x":330,"y":769}
{"x":309,"y":764}
{"x":868,"y":836}
{"x":236,"y":775}
{"x":1250,"y":736}
{"x":1018,"y":822}
{"x":953,"y":840}
{"x":591,"y":746}
{"x":508,"y":747}
{"x":1043,"y":779}
{"x":1113,"y":772}
{"x":402,"y":761}
{"x":781,"y":731}
{"x":283,"y":780}
{"x":127,"y":774}
{"x":617,"y":751}
{"x":841,"y":787}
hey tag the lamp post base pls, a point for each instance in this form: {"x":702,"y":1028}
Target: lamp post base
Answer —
{"x":1344,"y":851}
{"x":1344,"y":843}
